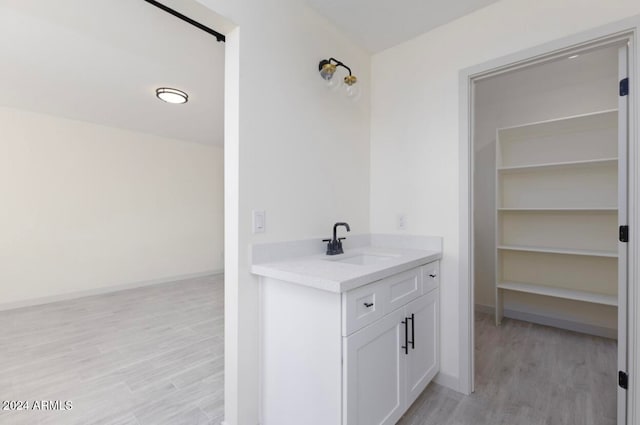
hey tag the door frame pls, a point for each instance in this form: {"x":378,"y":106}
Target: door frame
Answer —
{"x":628,"y":28}
{"x":623,"y":258}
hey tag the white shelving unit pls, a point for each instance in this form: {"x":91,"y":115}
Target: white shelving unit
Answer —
{"x":556,"y":209}
{"x":551,"y":291}
{"x":568,"y":164}
{"x":588,"y":252}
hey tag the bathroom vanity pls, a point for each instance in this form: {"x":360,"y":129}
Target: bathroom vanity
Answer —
{"x":350,"y":339}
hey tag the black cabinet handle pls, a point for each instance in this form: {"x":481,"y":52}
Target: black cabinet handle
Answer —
{"x":432,"y":276}
{"x":368,"y":305}
{"x":413,"y":331}
{"x":406,"y":336}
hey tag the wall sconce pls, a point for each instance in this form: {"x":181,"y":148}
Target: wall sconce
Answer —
{"x":328,"y":68}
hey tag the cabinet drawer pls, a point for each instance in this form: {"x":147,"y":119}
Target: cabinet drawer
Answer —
{"x":430,"y":276}
{"x":403,"y":287}
{"x":363,"y":306}
{"x":368,"y":303}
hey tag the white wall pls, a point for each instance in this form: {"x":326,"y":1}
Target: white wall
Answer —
{"x":557,"y":89}
{"x":293,"y":149}
{"x":87,"y":207}
{"x":415,"y":120}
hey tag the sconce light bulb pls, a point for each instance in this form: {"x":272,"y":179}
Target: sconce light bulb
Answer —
{"x":353,"y":91}
{"x":327,"y":71}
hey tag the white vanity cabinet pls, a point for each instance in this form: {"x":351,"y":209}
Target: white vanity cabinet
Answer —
{"x":359,"y":357}
{"x":388,"y":364}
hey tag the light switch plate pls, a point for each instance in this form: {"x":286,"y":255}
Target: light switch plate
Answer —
{"x":259,"y":221}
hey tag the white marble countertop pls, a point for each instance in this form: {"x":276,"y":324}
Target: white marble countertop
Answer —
{"x":328,"y":273}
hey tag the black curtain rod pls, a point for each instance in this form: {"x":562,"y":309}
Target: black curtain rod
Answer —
{"x":196,"y":24}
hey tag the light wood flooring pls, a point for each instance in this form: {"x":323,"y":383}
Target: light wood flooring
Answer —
{"x":528,"y":374}
{"x":154,"y":356}
{"x":146,"y":356}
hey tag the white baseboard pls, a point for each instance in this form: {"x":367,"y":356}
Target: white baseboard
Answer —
{"x":103,"y":290}
{"x":556,"y":322}
{"x":448,"y":381}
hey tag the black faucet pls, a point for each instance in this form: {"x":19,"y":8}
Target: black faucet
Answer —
{"x":334,"y":245}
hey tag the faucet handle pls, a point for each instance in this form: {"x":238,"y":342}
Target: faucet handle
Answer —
{"x":341,"y":239}
{"x":327,"y":240}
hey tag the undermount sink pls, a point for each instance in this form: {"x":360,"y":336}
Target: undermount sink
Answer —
{"x":365,"y":259}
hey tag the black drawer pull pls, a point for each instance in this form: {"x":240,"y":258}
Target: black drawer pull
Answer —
{"x":413,"y":331}
{"x":433,"y":276}
{"x":368,"y":305}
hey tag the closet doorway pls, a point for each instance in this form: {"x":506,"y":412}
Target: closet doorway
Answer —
{"x":549,"y":146}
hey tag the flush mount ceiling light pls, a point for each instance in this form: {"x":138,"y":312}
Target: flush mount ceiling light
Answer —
{"x":328,"y":68}
{"x":170,"y":95}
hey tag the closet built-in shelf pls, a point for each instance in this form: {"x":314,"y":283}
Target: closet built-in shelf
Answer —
{"x":546,"y":174}
{"x":571,"y":124}
{"x":564,"y":251}
{"x":569,"y":294}
{"x":585,"y":209}
{"x":557,"y":165}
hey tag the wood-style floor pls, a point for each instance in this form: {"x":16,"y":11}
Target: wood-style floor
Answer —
{"x":528,"y":374}
{"x":147,"y":356}
{"x":154,"y":356}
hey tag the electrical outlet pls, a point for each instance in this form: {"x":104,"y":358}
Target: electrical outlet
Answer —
{"x":402,"y":221}
{"x":259,"y":221}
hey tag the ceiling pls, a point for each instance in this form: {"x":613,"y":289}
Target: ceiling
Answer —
{"x":101,"y":61}
{"x":378,"y":24}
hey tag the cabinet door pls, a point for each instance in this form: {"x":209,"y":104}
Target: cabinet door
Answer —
{"x":423,"y":361}
{"x":374,"y":372}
